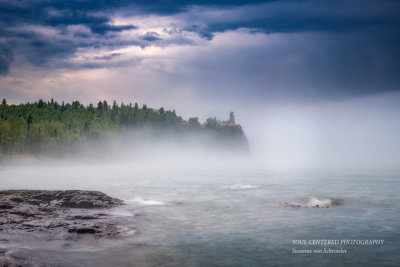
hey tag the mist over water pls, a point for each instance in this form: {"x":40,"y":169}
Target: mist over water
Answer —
{"x":359,"y":133}
{"x":312,"y":172}
{"x":153,"y":148}
{"x":216,"y":216}
{"x":229,"y":130}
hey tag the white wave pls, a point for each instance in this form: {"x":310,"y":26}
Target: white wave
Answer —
{"x":241,"y":187}
{"x":322,"y":203}
{"x":130,"y":232}
{"x":122,"y":213}
{"x":146,"y":202}
{"x":311,"y":203}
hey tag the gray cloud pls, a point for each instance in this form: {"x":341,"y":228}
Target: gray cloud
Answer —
{"x":151,"y":37}
{"x":330,"y":49}
{"x":39,"y":48}
{"x":6,"y":58}
{"x":108,"y":57}
{"x":304,"y":67}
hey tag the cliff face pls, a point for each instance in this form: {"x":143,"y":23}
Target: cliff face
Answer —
{"x":224,"y":138}
{"x":150,"y":140}
{"x":194,"y":138}
{"x":234,"y":137}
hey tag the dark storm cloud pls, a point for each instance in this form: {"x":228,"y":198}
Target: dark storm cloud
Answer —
{"x":280,"y":16}
{"x":203,"y":17}
{"x":59,"y":14}
{"x":305,"y":67}
{"x":151,"y":37}
{"x":356,"y":51}
{"x":6,"y":57}
{"x":92,"y":13}
{"x":313,"y":15}
{"x":354,"y":48}
{"x":38,"y":48}
{"x":108,"y":57}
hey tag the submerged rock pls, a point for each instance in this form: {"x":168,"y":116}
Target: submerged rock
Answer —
{"x":67,"y":213}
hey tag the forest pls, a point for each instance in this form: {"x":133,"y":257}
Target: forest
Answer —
{"x":46,"y":126}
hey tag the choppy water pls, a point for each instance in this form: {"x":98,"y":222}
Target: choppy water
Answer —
{"x":223,"y":218}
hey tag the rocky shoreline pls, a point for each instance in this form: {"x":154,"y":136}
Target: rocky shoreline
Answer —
{"x":64,"y":213}
{"x":67,"y":215}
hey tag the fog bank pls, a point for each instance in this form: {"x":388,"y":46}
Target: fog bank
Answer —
{"x":360,"y":133}
{"x":356,"y":133}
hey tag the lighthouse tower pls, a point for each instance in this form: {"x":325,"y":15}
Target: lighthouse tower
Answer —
{"x":231,"y":118}
{"x":231,"y":121}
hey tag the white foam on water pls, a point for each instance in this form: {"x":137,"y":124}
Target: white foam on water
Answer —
{"x":148,"y":202}
{"x":313,"y":202}
{"x":122,"y":213}
{"x":241,"y":187}
{"x":130,"y":232}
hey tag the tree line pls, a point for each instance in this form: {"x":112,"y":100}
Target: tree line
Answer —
{"x":43,"y":126}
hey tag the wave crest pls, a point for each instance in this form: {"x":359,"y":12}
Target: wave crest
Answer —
{"x":241,"y":187}
{"x":314,"y":202}
{"x":320,"y":203}
{"x":147,"y":202}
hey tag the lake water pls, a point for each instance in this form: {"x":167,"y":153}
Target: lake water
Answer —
{"x":229,"y":217}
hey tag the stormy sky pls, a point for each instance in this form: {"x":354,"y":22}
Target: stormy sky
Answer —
{"x":206,"y":58}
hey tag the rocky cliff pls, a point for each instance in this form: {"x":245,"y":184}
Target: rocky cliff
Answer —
{"x":234,"y":137}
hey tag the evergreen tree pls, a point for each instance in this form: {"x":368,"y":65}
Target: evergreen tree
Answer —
{"x":194,"y":122}
{"x":29,"y":121}
{"x":43,"y":128}
{"x":105,"y":105}
{"x":162,"y":113}
{"x":114,"y":106}
{"x":41,"y":103}
{"x":212,"y":123}
{"x":91,"y":108}
{"x":100,"y":106}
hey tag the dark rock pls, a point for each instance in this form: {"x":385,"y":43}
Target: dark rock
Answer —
{"x":85,"y":217}
{"x":55,"y":212}
{"x":9,"y":262}
{"x":83,"y":230}
{"x":68,"y":198}
{"x":234,"y":137}
{"x":5,"y":206}
{"x":17,"y":199}
{"x":50,"y":215}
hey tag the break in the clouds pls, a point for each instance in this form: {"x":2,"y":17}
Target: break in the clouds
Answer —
{"x":235,"y":51}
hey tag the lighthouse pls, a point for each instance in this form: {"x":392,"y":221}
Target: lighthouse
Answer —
{"x":231,"y":121}
{"x":231,"y":118}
